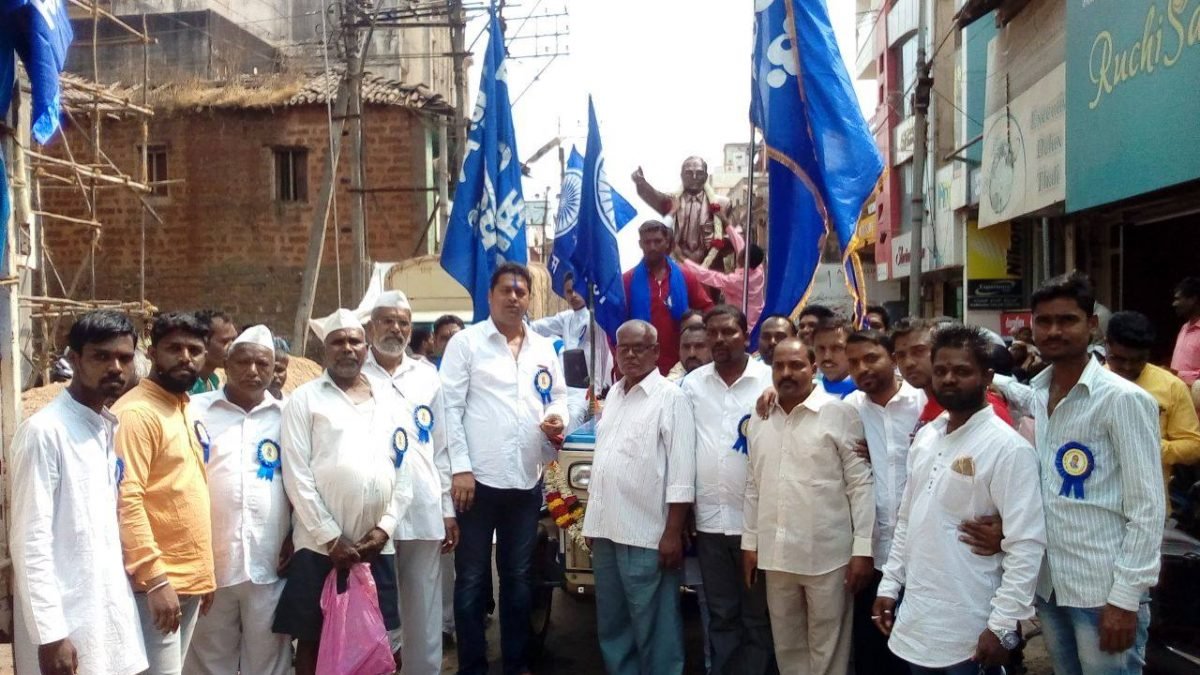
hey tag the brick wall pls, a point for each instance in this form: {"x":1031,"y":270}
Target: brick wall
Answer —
{"x":226,"y":241}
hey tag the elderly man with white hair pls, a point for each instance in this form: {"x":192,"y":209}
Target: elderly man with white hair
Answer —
{"x":344,"y":440}
{"x":643,"y":484}
{"x":250,"y":516}
{"x":428,"y":529}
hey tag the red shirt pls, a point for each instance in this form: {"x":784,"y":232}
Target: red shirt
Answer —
{"x":660,"y":314}
{"x":933,"y":409}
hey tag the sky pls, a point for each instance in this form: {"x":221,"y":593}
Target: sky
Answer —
{"x":669,"y":79}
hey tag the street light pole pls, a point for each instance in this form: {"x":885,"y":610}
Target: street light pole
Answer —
{"x":924,"y":86}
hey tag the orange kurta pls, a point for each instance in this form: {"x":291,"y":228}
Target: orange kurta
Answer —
{"x":164,"y":504}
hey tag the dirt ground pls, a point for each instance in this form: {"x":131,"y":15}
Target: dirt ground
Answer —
{"x":571,"y":647}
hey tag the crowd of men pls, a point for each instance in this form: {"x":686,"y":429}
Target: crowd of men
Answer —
{"x":884,"y":498}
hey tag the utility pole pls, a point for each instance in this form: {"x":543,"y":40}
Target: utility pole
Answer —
{"x":458,"y":46}
{"x":320,"y":223}
{"x":358,"y":216}
{"x":924,"y":86}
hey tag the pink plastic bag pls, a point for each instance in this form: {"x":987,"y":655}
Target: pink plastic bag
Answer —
{"x":353,"y":638}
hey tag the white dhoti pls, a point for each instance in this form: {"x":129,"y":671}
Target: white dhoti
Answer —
{"x":419,"y":575}
{"x":236,"y":634}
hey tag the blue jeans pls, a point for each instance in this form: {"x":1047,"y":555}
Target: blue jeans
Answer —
{"x":513,"y":516}
{"x":1073,"y":640}
{"x":964,"y":668}
{"x":637,"y":611}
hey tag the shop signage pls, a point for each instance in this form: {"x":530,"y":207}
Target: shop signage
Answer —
{"x":1133,"y":73}
{"x":1011,"y":322}
{"x":903,"y":139}
{"x":993,"y":268}
{"x":1024,"y":152}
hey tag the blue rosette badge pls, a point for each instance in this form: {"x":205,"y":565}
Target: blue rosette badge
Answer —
{"x":423,"y":418}
{"x":203,"y":438}
{"x":399,"y":445}
{"x":1075,"y":462}
{"x":543,"y":382}
{"x":740,"y":444}
{"x":268,"y":459}
{"x":119,"y":472}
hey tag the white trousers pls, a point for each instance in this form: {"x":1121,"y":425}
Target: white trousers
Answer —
{"x":448,"y":594}
{"x":419,"y":575}
{"x":810,"y":622}
{"x":165,"y":653}
{"x":236,"y":634}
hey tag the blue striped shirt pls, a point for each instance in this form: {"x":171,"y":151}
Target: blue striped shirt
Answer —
{"x":1103,"y":547}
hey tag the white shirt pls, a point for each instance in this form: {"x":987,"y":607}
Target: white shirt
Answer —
{"x":493,"y":407}
{"x":68,"y":572}
{"x":574,"y":327}
{"x":250,"y":514}
{"x":809,"y":501}
{"x":644,"y":460}
{"x":889,"y":432}
{"x":418,"y":382}
{"x":720,"y":466}
{"x":339,"y":463}
{"x":1105,"y":547}
{"x":570,"y":325}
{"x":951,"y":594}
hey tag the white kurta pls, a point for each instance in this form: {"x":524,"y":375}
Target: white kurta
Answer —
{"x":338,"y":463}
{"x":69,"y":579}
{"x":418,"y":383}
{"x":250,"y":514}
{"x":952,"y":595}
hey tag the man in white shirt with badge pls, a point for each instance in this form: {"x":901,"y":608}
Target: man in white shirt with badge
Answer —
{"x":344,"y":444}
{"x":961,"y":610}
{"x":1102,"y":491}
{"x":428,"y":529}
{"x":74,"y":609}
{"x":251,"y":517}
{"x":505,"y":400}
{"x":889,"y":410}
{"x":643,"y":482}
{"x":809,"y":516}
{"x":723,"y":395}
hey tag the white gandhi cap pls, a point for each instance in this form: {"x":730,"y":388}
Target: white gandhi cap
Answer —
{"x":255,"y":335}
{"x":387,"y":299}
{"x":339,"y":320}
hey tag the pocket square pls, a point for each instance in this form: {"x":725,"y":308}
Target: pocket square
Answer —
{"x":964,"y":465}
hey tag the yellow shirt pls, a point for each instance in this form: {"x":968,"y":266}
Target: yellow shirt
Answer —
{"x":1178,"y":424}
{"x":163,"y":504}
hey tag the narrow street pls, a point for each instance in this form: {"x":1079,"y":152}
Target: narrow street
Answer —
{"x":571,"y":647}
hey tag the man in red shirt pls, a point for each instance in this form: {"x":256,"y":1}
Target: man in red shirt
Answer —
{"x":660,"y":291}
{"x":912,"y":341}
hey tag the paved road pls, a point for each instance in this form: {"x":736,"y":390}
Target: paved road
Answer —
{"x":572,"y":648}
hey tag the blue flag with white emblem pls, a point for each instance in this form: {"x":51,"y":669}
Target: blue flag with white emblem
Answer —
{"x":602,"y":213}
{"x":487,"y":223}
{"x":40,"y":33}
{"x":822,"y":163}
{"x":565,"y":231}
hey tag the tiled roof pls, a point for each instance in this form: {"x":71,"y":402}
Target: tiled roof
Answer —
{"x":279,"y":90}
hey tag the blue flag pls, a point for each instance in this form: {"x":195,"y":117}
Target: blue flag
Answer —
{"x":602,"y":213}
{"x":822,"y":163}
{"x":565,"y":231}
{"x":487,"y":223}
{"x":5,"y":209}
{"x":40,"y":33}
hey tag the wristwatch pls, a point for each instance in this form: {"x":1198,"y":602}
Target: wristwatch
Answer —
{"x":1009,"y":639}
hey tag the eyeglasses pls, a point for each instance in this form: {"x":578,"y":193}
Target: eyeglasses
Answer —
{"x":634,"y":350}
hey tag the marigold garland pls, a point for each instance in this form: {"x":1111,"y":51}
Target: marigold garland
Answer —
{"x":565,"y":507}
